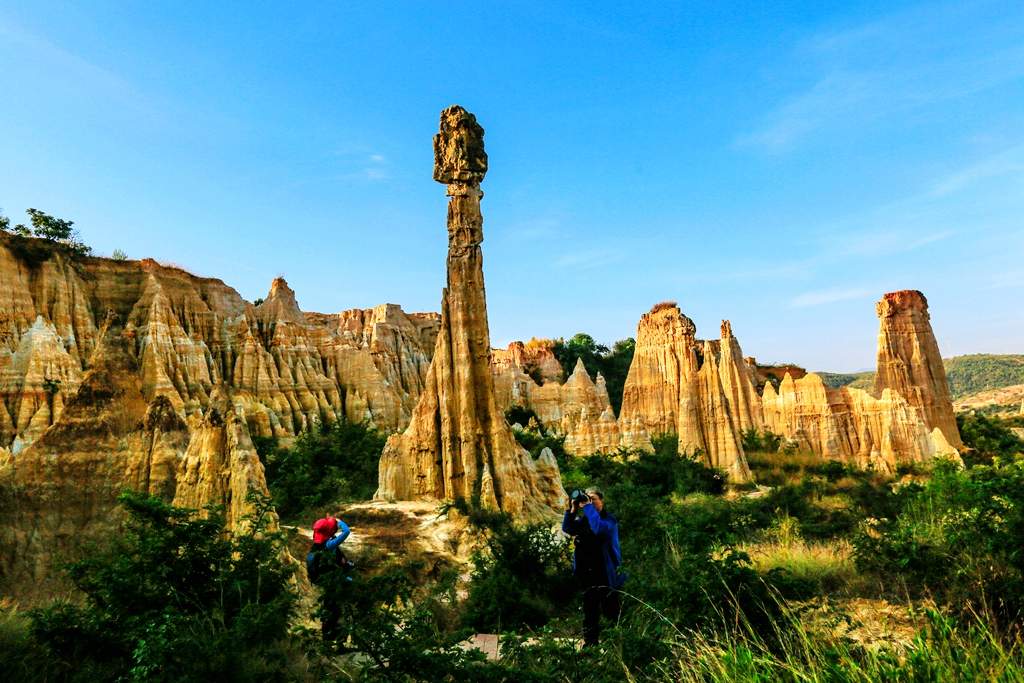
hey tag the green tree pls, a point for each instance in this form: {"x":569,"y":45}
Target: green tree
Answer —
{"x":326,"y":464}
{"x":612,"y":363}
{"x":173,"y":598}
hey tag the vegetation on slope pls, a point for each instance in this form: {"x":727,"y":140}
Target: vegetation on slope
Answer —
{"x":47,"y":234}
{"x":332,"y":462}
{"x":857,"y":380}
{"x":747,"y":585}
{"x":981,"y":371}
{"x":966,"y":374}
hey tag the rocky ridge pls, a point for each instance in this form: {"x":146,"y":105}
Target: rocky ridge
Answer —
{"x":708,"y":394}
{"x":131,"y":374}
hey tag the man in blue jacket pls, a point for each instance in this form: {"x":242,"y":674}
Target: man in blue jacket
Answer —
{"x":595,"y":562}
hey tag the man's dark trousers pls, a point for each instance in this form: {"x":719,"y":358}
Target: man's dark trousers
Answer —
{"x":598,"y":600}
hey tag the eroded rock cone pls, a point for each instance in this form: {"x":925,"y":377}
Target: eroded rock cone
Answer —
{"x":909,"y":362}
{"x":458,"y":444}
{"x":700,"y":390}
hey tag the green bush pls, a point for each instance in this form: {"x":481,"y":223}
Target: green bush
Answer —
{"x":520,"y":574}
{"x":960,"y":537}
{"x":54,"y":233}
{"x":761,"y":441}
{"x":330,"y":463}
{"x":990,"y":437}
{"x":612,"y":363}
{"x":173,"y":598}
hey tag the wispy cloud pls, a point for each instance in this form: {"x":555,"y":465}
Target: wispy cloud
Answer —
{"x":829,"y":296}
{"x":1007,"y":279}
{"x":540,"y":228}
{"x":63,"y":68}
{"x":879,"y":242}
{"x":1007,"y":163}
{"x":369,"y":166}
{"x":892,"y":66}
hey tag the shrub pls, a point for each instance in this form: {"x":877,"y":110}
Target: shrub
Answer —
{"x":958,"y":537}
{"x":172,"y":598}
{"x":612,"y":363}
{"x":761,"y":441}
{"x":990,"y":437}
{"x":520,"y":576}
{"x":329,"y":463}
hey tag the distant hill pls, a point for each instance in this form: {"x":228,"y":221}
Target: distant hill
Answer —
{"x":858,"y":380}
{"x":982,"y":372}
{"x":967,"y":375}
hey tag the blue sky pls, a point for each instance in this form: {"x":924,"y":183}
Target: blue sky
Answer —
{"x":779,"y":164}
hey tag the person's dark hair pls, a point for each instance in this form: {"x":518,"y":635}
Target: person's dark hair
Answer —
{"x":595,"y":492}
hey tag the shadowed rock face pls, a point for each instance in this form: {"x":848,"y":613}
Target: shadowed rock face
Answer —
{"x":458,"y":444}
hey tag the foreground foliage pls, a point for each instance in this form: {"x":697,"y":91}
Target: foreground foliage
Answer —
{"x":174,"y":598}
{"x":719,"y":584}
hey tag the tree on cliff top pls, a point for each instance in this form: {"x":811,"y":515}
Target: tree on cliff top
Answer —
{"x":50,"y":228}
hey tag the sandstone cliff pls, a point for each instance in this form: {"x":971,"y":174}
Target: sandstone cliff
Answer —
{"x":909,"y":416}
{"x":283,"y":368}
{"x":700,"y":390}
{"x":578,"y":409}
{"x":909,"y":362}
{"x":130,"y":374}
{"x":458,"y":444}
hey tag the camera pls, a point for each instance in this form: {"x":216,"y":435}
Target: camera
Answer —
{"x":578,"y":496}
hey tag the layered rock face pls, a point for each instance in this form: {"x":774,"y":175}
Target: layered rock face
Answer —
{"x":63,"y":488}
{"x":907,"y":418}
{"x":458,"y":444}
{"x":129,"y":374}
{"x":578,"y":409}
{"x":909,"y":362}
{"x":706,"y":393}
{"x":699,"y":390}
{"x":284,"y":369}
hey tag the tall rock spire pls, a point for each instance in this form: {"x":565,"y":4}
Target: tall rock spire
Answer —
{"x":458,"y":444}
{"x":909,"y":361}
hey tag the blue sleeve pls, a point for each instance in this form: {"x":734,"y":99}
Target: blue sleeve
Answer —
{"x":567,"y":523}
{"x":600,"y":527}
{"x":339,"y":538}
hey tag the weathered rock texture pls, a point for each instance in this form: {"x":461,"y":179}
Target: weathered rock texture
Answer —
{"x":130,"y":374}
{"x":907,"y":418}
{"x":458,"y":444}
{"x":283,"y":369}
{"x":909,"y":362}
{"x":578,"y":409}
{"x":705,"y":392}
{"x":700,"y":390}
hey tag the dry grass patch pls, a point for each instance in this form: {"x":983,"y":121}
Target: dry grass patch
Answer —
{"x":827,"y":565}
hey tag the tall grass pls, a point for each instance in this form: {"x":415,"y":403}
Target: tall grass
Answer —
{"x":942,"y":651}
{"x":824,"y":567}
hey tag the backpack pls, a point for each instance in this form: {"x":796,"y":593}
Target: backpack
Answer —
{"x":320,"y":562}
